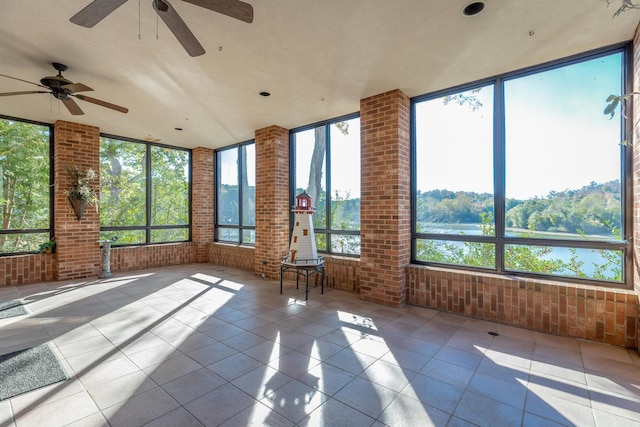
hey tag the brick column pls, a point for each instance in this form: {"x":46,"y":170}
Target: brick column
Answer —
{"x":202,"y":203}
{"x":272,"y":199}
{"x":78,"y":250}
{"x":385,"y":218}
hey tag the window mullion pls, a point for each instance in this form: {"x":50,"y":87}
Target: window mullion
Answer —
{"x":327,"y":186}
{"x":149,"y":187}
{"x":241,"y":160}
{"x":499,"y":172}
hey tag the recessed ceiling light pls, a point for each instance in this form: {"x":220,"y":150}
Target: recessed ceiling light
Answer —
{"x":473,"y":8}
{"x":265,"y":93}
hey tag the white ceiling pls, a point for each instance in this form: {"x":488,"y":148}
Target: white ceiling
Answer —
{"x":318,"y":58}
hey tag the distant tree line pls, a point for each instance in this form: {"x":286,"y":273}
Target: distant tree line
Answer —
{"x":592,"y":209}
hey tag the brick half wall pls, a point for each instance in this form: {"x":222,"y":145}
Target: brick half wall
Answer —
{"x":235,"y":256}
{"x":596,"y":313}
{"x":131,"y":258}
{"x":25,"y":269}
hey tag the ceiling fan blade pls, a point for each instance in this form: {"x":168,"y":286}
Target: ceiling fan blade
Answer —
{"x":95,"y":12}
{"x":72,"y":107}
{"x":102,"y":103}
{"x":233,"y":8}
{"x":76,"y":87}
{"x":23,"y":92}
{"x":178,"y":27}
{"x":22,"y":80}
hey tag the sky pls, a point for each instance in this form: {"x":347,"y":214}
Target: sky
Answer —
{"x":345,"y":159}
{"x":229,"y":171}
{"x":556,"y":134}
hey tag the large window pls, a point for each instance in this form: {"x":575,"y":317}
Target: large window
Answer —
{"x":144,"y":192}
{"x":236,"y":194}
{"x":327,"y":166}
{"x":25,"y":185}
{"x":524,"y":173}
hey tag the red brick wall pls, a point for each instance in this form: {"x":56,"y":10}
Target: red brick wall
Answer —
{"x":385,"y":214}
{"x":141,"y":257}
{"x":78,"y":251}
{"x":584,"y":311}
{"x":272,"y":199}
{"x":24,"y":269}
{"x":235,"y":256}
{"x":342,"y":273}
{"x":202,"y":203}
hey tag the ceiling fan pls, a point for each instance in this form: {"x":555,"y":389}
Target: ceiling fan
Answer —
{"x":64,"y":90}
{"x":97,"y":10}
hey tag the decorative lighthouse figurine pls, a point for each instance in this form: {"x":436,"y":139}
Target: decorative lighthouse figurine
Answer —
{"x":302,"y":250}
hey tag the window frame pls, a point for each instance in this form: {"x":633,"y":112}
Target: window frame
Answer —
{"x":148,"y":227}
{"x":241,"y":227}
{"x":500,"y":240}
{"x":328,"y":232}
{"x":51,"y":228}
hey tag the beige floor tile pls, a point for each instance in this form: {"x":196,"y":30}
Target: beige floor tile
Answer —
{"x":57,"y":413}
{"x":208,"y":345}
{"x":141,"y":408}
{"x":120,"y":389}
{"x":487,"y":412}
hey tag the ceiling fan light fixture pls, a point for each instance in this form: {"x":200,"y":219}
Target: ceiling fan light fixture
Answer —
{"x":473,"y":8}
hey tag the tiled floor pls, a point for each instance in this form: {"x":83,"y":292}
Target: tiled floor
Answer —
{"x":207,"y":345}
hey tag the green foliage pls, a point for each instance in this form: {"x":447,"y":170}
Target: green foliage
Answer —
{"x":594,"y":209}
{"x":462,"y":98}
{"x":345,"y":212}
{"x":47,"y":246}
{"x":24,"y":185}
{"x":81,"y":185}
{"x":235,"y":199}
{"x":228,"y":204}
{"x":345,"y":215}
{"x":525,"y":258}
{"x":472,"y":254}
{"x":169,"y":186}
{"x":625,"y":5}
{"x":614,"y":100}
{"x":169,"y":235}
{"x":444,"y":206}
{"x":532,"y":259}
{"x":124,"y":186}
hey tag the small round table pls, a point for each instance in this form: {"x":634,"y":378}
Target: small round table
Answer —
{"x":305,"y":270}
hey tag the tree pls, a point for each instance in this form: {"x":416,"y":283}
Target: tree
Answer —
{"x":24,"y":182}
{"x":625,"y":5}
{"x":317,"y":159}
{"x":613,"y":101}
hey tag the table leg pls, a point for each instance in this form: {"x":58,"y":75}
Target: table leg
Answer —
{"x":306,"y":297}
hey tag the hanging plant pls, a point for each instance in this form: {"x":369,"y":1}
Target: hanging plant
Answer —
{"x":81,"y":195}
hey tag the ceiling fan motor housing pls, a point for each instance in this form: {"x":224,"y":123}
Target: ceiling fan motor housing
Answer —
{"x":55,"y":83}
